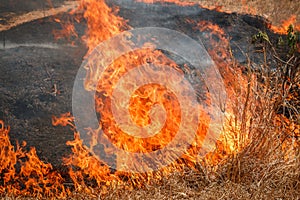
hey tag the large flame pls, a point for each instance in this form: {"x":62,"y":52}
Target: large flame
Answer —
{"x":102,"y":22}
{"x":147,"y":96}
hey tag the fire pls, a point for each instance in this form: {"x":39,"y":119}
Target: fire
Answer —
{"x":101,"y":26}
{"x":282,"y":29}
{"x":99,"y":29}
{"x":65,"y":120}
{"x":232,"y":138}
{"x":102,"y":22}
{"x":146,"y":97}
{"x":39,"y":177}
{"x":141,"y":103}
{"x":33,"y":177}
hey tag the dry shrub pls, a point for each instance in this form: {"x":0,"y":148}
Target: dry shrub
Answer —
{"x":267,"y":166}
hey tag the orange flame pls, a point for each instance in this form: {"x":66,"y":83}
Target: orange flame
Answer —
{"x":282,"y":29}
{"x":230,"y":140}
{"x":102,"y":22}
{"x":34,"y":178}
{"x":65,"y":120}
{"x":141,"y":102}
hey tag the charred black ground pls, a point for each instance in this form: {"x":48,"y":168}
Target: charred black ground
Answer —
{"x":13,"y":7}
{"x":33,"y":63}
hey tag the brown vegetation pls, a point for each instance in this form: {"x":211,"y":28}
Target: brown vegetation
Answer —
{"x":275,"y":11}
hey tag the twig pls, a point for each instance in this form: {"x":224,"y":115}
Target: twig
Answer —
{"x":285,"y":62}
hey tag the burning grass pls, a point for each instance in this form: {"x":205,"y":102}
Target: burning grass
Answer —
{"x":257,"y":155}
{"x":277,"y":12}
{"x":262,"y":163}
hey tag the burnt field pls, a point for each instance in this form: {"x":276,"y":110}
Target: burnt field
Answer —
{"x":39,"y":62}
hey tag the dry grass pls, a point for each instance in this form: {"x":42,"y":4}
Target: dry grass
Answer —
{"x":275,"y":11}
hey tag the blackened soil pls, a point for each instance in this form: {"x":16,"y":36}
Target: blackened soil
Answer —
{"x":20,"y":6}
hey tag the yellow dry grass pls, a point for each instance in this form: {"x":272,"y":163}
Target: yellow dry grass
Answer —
{"x":275,"y":11}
